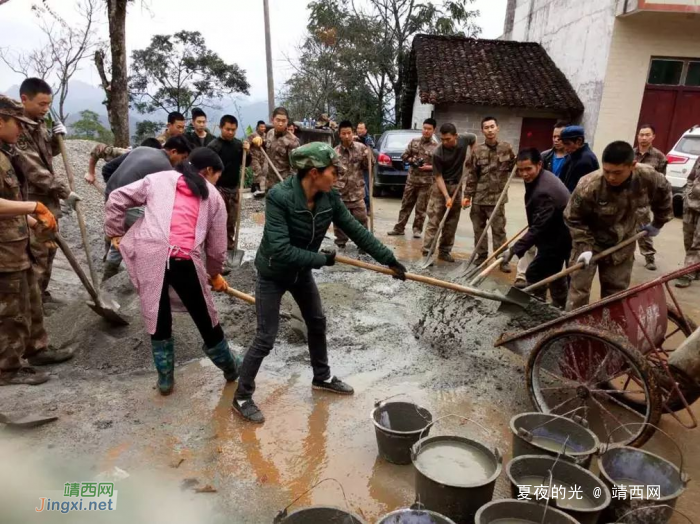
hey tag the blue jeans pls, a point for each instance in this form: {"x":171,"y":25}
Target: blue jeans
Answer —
{"x":268,"y":297}
{"x":132,"y":215}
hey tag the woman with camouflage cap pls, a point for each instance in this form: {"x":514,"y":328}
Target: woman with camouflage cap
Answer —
{"x":298,"y":213}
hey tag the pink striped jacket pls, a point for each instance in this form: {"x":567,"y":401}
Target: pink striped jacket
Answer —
{"x":146,"y":247}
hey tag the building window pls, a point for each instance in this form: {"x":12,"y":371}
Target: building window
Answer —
{"x":674,"y":72}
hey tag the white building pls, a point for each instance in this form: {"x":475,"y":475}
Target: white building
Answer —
{"x":630,"y":61}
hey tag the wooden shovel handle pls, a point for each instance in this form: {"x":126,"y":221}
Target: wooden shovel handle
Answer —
{"x":496,"y":253}
{"x":420,"y":278}
{"x":240,"y":295}
{"x":270,"y":164}
{"x":578,"y":266}
{"x":241,"y":183}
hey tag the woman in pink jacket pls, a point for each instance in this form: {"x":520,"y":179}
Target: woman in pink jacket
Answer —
{"x":184,"y":218}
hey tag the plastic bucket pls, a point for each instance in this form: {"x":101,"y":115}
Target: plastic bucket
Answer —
{"x":527,"y":470}
{"x":321,"y":515}
{"x":545,"y":434}
{"x":520,"y":512}
{"x":414,"y":516}
{"x":635,"y":467}
{"x":468,"y":488}
{"x":398,"y":426}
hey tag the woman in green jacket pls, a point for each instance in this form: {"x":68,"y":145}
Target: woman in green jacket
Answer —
{"x":298,"y":214}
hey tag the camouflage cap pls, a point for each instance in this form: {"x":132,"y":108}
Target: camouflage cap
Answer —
{"x":11,"y":107}
{"x":315,"y":154}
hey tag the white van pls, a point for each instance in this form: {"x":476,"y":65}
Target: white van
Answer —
{"x":681,"y":160}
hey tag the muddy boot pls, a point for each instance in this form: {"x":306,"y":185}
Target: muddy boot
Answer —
{"x":222,"y":358}
{"x":395,"y":233}
{"x":505,"y":268}
{"x":684,"y":281}
{"x":24,"y":375}
{"x":333,"y":385}
{"x":446,"y":257}
{"x":46,"y":357}
{"x":110,"y":270}
{"x":417,"y":233}
{"x":650,"y":263}
{"x":480,"y":260}
{"x":520,"y":283}
{"x":164,"y":360}
{"x":248,"y":410}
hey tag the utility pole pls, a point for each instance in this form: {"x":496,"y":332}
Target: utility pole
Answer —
{"x":268,"y":53}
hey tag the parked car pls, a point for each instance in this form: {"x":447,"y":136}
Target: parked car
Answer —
{"x":391,"y":172}
{"x":681,"y":160}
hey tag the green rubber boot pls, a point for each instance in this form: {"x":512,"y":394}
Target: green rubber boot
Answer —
{"x":223,"y":359}
{"x":109,"y":271}
{"x":164,"y":360}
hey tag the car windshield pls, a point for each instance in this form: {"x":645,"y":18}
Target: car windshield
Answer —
{"x":398,"y":140}
{"x":689,"y":145}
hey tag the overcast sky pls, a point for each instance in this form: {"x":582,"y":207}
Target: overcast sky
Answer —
{"x":232,"y":28}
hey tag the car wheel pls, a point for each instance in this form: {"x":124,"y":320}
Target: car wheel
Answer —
{"x":678,"y":206}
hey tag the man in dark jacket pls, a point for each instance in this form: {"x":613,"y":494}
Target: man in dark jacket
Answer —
{"x":298,"y":213}
{"x":581,"y":160}
{"x":199,"y":135}
{"x":546,"y":198}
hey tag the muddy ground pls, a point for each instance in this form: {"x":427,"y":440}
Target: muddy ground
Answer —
{"x":385,"y":337}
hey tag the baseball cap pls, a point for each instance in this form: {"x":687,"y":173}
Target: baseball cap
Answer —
{"x":573,"y":132}
{"x":315,"y":154}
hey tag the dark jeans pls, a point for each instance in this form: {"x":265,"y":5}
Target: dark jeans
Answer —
{"x":548,"y":262}
{"x":268,"y":297}
{"x":182,"y":277}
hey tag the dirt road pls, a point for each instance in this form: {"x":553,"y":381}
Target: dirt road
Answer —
{"x":111,"y":416}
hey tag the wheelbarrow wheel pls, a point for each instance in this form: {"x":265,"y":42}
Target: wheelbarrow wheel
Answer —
{"x":679,"y":328}
{"x":579,"y":370}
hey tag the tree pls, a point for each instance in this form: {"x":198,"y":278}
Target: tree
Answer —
{"x":58,"y":58}
{"x":116,"y":87}
{"x":89,"y":127}
{"x":146,"y":129}
{"x":354,"y":59}
{"x":177,"y":72}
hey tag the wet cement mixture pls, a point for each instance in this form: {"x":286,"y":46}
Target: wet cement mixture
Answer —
{"x":386,"y":338}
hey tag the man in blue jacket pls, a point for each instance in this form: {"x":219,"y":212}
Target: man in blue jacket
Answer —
{"x":581,"y":160}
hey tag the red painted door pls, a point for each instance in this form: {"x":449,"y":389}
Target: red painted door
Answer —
{"x":672,"y":110}
{"x":537,"y":132}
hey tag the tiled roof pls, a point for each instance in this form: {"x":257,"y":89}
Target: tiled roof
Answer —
{"x":489,"y":73}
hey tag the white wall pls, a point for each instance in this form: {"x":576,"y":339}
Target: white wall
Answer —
{"x":636,"y":40}
{"x":420,"y":112}
{"x":577,"y":35}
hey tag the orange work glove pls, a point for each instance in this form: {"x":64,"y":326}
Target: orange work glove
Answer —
{"x":258,"y":141}
{"x":466,"y":202}
{"x":448,"y":204}
{"x":218,"y":283}
{"x":45,"y":217}
{"x":115,"y":242}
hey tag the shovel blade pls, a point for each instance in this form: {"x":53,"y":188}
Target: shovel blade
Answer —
{"x":110,"y":314}
{"x":519,"y":301}
{"x":427,"y":262}
{"x":235,"y":258}
{"x":26,"y":422}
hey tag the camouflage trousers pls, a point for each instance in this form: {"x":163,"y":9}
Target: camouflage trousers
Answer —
{"x":646,"y":244}
{"x":231,"y":201}
{"x":260,"y":170}
{"x":272,"y":179}
{"x":436,"y":210}
{"x":480,"y":216}
{"x":414,"y":195}
{"x":359,"y":211}
{"x":691,"y":236}
{"x":22,"y":332}
{"x":613,"y":279}
{"x":43,"y":255}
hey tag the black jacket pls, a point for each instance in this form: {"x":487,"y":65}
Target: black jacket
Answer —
{"x":548,"y":160}
{"x":579,"y":164}
{"x":546,"y":199}
{"x":231,"y":153}
{"x":195,"y":141}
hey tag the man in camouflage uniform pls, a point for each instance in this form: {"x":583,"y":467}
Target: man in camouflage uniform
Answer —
{"x":278,"y":144}
{"x":448,"y":167}
{"x":258,"y":162}
{"x":102,"y":152}
{"x":488,"y":170}
{"x":36,"y":149}
{"x":175,"y":127}
{"x":604,"y":211}
{"x":22,"y":333}
{"x":691,"y":223}
{"x":351,"y":182}
{"x":646,"y":153}
{"x":419,"y":154}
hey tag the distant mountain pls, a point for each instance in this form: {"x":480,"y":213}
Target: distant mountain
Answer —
{"x":82,"y":96}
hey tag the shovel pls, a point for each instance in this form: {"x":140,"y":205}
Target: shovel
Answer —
{"x":270,"y":164}
{"x":370,"y":158}
{"x":108,"y":310}
{"x":236,"y":257}
{"x":498,"y":205}
{"x":493,"y":255}
{"x":78,"y":211}
{"x":475,"y":292}
{"x":26,"y":421}
{"x":522,"y":297}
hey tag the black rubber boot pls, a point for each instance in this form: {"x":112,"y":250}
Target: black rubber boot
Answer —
{"x":110,"y":270}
